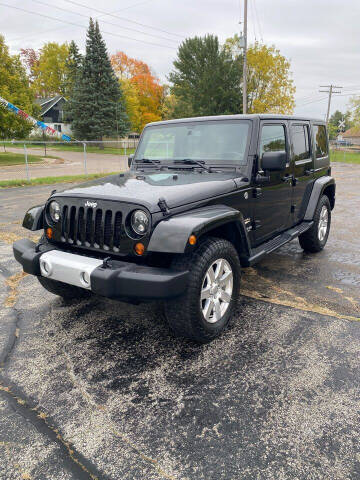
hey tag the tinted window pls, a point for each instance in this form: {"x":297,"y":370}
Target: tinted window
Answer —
{"x":272,"y":139}
{"x":320,"y":140}
{"x":300,"y":141}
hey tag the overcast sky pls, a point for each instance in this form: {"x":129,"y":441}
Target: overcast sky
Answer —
{"x":321,"y":38}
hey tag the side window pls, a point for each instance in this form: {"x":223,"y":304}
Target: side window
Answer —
{"x":300,"y":141}
{"x":272,"y":139}
{"x":320,"y":140}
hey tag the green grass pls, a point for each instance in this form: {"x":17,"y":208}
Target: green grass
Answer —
{"x":51,"y":180}
{"x":344,"y":157}
{"x":17,"y":159}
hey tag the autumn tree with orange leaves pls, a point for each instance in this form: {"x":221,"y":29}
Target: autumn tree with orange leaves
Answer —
{"x":142,"y":89}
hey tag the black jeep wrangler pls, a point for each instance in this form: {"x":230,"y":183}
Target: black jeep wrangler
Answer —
{"x":203,"y":198}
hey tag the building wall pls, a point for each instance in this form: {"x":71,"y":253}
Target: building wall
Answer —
{"x":353,"y":140}
{"x":62,"y":127}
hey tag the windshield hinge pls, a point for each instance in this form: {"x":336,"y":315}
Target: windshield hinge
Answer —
{"x":163,"y":206}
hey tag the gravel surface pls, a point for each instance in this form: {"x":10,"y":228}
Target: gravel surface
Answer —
{"x":101,"y":389}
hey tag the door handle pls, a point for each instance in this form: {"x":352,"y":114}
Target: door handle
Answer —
{"x":257,"y":192}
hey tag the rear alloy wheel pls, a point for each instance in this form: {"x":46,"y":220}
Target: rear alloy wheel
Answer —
{"x":314,"y":239}
{"x":205,"y":308}
{"x":323,"y":223}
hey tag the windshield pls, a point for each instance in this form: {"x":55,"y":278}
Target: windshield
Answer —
{"x":213,"y":142}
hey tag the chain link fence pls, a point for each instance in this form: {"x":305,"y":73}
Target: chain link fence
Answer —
{"x":344,"y":152}
{"x":27,"y":160}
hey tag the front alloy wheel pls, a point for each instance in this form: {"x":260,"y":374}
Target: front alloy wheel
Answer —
{"x":205,"y":308}
{"x":216,"y":290}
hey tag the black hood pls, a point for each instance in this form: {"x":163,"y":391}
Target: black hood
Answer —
{"x":145,"y":188}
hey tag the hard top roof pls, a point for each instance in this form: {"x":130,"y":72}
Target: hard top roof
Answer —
{"x":261,"y":116}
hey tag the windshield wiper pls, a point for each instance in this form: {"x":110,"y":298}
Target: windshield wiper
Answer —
{"x":190,"y":161}
{"x":148,"y":160}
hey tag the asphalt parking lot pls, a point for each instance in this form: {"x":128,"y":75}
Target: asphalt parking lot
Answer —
{"x":101,"y":389}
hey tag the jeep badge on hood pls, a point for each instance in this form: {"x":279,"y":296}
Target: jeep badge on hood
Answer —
{"x":90,"y":204}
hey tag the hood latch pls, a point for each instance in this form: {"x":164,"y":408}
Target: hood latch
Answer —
{"x":163,"y":206}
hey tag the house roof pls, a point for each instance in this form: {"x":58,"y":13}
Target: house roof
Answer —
{"x":352,"y":132}
{"x":47,"y":103}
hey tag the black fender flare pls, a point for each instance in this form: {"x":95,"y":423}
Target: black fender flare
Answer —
{"x":171,"y":235}
{"x":34,"y":218}
{"x":319,"y":186}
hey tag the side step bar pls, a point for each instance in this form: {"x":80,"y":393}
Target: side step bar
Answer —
{"x":259,"y":252}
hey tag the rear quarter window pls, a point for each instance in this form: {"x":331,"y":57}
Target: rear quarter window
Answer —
{"x":320,"y":141}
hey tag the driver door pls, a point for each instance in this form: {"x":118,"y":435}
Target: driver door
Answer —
{"x":273,"y":198}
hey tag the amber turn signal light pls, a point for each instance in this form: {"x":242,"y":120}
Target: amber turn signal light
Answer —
{"x":139,"y":249}
{"x":192,"y":239}
{"x":49,"y":232}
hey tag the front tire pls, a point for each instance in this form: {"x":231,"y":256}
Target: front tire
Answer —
{"x":204,"y":310}
{"x":314,"y":239}
{"x":67,"y":292}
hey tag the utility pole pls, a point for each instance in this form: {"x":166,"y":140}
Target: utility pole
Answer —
{"x":244,"y":37}
{"x":330,"y":91}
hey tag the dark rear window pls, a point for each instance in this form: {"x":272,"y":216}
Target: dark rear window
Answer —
{"x":300,"y":141}
{"x":320,"y":140}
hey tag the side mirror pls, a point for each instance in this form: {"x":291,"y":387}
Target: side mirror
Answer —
{"x":130,"y":159}
{"x":273,"y":161}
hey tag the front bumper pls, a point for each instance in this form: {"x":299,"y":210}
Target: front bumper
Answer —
{"x":116,"y":279}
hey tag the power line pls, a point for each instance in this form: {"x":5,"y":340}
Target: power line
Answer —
{"x":121,"y":18}
{"x":103,"y":21}
{"x":253,"y":19}
{"x":259,"y":22}
{"x":82,"y":26}
{"x":348,"y":94}
{"x":305,"y":99}
{"x":61,"y":28}
{"x":312,"y":101}
{"x":132,"y":6}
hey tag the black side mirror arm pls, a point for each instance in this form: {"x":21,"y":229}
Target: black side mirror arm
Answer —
{"x":261,"y":178}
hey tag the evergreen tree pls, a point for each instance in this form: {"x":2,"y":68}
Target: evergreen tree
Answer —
{"x":73,"y":66}
{"x":206,"y":80}
{"x":73,"y":70}
{"x":97,"y":106}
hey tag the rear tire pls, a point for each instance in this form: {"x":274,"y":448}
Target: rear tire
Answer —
{"x":204,"y":310}
{"x":67,"y":292}
{"x":314,"y":239}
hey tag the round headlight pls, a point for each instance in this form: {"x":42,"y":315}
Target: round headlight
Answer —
{"x":54,"y":211}
{"x":140,"y":222}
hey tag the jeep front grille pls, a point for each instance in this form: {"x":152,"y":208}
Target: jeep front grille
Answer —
{"x":88,"y":227}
